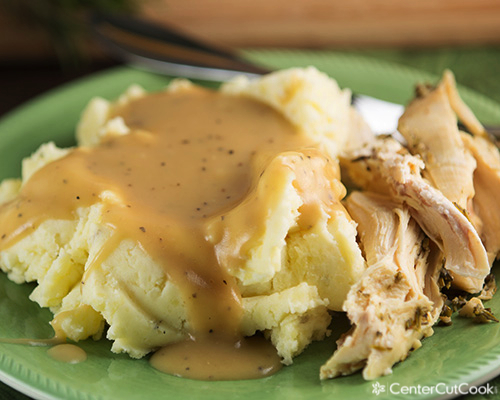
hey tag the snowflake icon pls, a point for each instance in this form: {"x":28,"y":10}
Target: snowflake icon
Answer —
{"x":378,"y":388}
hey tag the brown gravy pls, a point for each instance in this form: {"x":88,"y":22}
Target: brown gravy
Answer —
{"x":58,"y":349}
{"x":251,"y":358}
{"x":33,"y":342}
{"x":67,"y":353}
{"x":191,"y":156}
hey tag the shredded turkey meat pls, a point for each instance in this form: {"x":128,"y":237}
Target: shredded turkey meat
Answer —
{"x":427,"y":213}
{"x":487,"y":188}
{"x":397,"y":300}
{"x":430,"y":128}
{"x":486,"y":176}
{"x":386,"y":167}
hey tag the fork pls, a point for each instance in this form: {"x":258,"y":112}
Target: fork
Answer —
{"x":163,"y":50}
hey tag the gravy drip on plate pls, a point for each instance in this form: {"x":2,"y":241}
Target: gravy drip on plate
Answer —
{"x":59,"y":350}
{"x":67,"y":353}
{"x":191,"y":156}
{"x":251,"y":358}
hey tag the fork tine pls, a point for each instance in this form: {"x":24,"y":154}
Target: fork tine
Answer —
{"x":381,"y":116}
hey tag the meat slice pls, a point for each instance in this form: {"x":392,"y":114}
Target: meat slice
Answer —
{"x":388,"y":307}
{"x":487,"y":173}
{"x":386,"y":167}
{"x":463,"y":111}
{"x":487,"y":189}
{"x":429,"y":125}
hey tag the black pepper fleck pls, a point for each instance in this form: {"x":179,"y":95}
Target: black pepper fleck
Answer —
{"x":142,"y":229}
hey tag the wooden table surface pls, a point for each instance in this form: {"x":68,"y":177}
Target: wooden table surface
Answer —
{"x":290,"y":23}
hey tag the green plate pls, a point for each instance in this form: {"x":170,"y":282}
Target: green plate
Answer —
{"x":464,"y":353}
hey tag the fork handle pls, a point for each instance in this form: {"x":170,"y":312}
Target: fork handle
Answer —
{"x":145,"y":43}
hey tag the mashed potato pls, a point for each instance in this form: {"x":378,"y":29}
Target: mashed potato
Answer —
{"x":289,"y":276}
